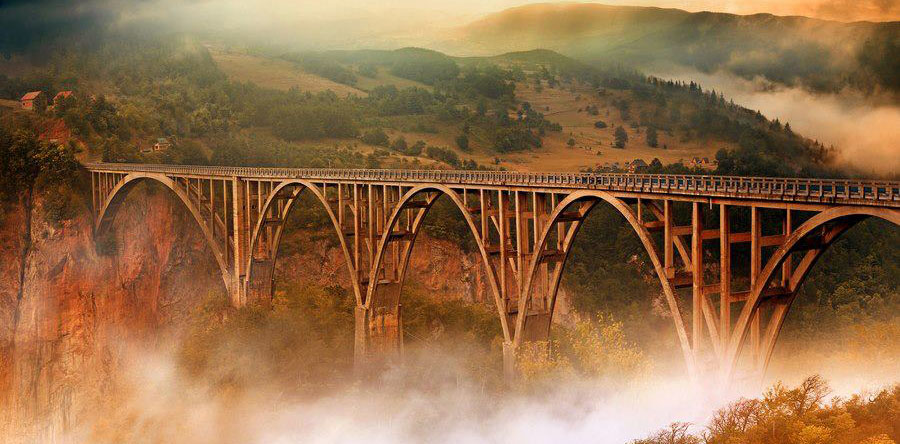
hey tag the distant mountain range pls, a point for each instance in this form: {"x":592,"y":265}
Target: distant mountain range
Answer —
{"x":818,"y":54}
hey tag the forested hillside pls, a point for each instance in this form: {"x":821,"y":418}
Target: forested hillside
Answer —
{"x":820,"y":55}
{"x":455,"y":113}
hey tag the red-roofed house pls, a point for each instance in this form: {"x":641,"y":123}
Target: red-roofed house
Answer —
{"x":33,"y":100}
{"x":61,"y":96}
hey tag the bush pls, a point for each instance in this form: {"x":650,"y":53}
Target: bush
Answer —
{"x":599,"y":124}
{"x":375,"y":137}
{"x":462,"y":141}
{"x":621,"y":137}
{"x":445,"y":155}
{"x":399,"y":145}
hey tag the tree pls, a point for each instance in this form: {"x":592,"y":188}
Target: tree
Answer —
{"x":652,"y":140}
{"x":621,"y":137}
{"x":399,"y":145}
{"x":376,"y":137}
{"x":462,"y":141}
{"x":24,"y":162}
{"x":571,"y":142}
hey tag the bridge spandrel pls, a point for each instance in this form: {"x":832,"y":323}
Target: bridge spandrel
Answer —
{"x":524,"y":225}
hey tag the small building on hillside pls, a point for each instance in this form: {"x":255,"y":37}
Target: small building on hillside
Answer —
{"x":702,"y":162}
{"x":162,"y":144}
{"x":60,"y":96}
{"x":34,"y":100}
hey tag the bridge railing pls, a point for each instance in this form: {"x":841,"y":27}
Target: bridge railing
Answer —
{"x":770,"y":188}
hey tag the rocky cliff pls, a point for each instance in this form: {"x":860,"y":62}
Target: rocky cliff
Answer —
{"x":88,"y":306}
{"x":80,"y":310}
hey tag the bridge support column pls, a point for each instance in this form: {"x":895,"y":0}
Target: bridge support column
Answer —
{"x":378,"y":336}
{"x":510,"y":369}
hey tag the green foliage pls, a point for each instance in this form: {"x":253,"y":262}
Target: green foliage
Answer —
{"x":376,"y":137}
{"x":445,"y":155}
{"x":462,"y":141}
{"x":621,"y":137}
{"x":515,"y":138}
{"x":60,"y":204}
{"x":652,"y":137}
{"x":316,"y":119}
{"x":799,"y":415}
{"x":426,"y":66}
{"x":320,"y":65}
{"x":390,"y":101}
{"x":595,"y":348}
{"x":24,"y":160}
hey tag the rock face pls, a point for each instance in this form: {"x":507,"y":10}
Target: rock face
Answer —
{"x":83,"y":312}
{"x":80,"y":310}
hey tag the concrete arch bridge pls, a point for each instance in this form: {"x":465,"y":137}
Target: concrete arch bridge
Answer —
{"x":524,"y":226}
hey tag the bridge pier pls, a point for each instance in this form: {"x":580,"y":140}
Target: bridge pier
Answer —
{"x":377,"y":337}
{"x":524,"y":225}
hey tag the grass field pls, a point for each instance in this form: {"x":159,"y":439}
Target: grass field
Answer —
{"x":275,"y":73}
{"x":595,"y":146}
{"x":386,"y":78}
{"x":564,"y":104}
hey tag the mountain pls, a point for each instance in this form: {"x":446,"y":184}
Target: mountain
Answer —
{"x":818,"y":54}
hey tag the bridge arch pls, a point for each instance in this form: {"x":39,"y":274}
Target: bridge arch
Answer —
{"x":438,"y":190}
{"x":120,"y":191}
{"x":841,"y":220}
{"x":590,"y":199}
{"x":296,"y":187}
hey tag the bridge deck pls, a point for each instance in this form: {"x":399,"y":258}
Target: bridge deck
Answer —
{"x":822,"y":191}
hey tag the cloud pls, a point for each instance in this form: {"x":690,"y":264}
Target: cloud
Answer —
{"x":863,"y":131}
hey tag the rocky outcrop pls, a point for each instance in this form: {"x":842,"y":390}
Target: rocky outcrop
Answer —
{"x":84,"y":312}
{"x":80,"y":310}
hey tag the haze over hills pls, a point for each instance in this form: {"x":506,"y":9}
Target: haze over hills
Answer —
{"x":818,"y":54}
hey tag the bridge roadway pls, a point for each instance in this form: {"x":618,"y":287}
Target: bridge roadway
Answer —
{"x":524,"y":225}
{"x":829,"y":191}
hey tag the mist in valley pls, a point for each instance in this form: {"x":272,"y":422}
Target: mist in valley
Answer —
{"x":131,"y":338}
{"x":862,"y":129}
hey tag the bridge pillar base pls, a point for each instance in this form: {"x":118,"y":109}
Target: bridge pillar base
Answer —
{"x":510,"y":369}
{"x":378,"y":337}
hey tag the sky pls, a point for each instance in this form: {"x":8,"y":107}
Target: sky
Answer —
{"x":844,"y":10}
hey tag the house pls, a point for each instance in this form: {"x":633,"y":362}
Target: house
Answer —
{"x":701,"y":162}
{"x":636,"y":166}
{"x":33,"y":100}
{"x":60,"y":96}
{"x":162,"y":144}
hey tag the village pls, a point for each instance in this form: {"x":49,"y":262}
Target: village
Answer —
{"x":56,"y":131}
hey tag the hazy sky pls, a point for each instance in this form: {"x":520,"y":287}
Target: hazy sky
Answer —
{"x":831,"y":9}
{"x":844,"y":10}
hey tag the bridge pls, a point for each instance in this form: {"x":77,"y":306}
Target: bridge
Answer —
{"x":524,"y":226}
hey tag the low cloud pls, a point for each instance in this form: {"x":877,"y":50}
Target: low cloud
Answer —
{"x":863,"y":130}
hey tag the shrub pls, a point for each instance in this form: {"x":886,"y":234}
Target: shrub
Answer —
{"x":376,"y":137}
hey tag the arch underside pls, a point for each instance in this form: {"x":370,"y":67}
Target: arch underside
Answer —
{"x":211,"y":225}
{"x":810,"y":240}
{"x":524,"y":239}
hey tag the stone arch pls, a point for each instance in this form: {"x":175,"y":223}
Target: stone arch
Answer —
{"x":592,"y":198}
{"x":117,"y":195}
{"x":395,"y":217}
{"x":845,"y":217}
{"x":299,"y":187}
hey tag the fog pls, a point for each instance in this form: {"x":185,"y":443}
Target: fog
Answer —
{"x":156,"y":403}
{"x":863,"y":130}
